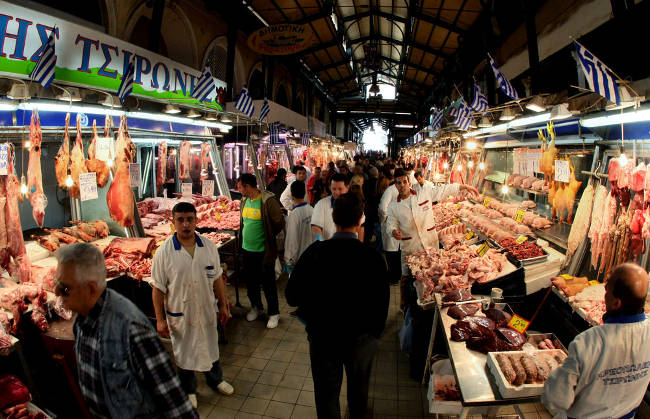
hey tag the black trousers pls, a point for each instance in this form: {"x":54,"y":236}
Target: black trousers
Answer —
{"x":258,"y":274}
{"x":394,"y":262}
{"x":327,"y":362}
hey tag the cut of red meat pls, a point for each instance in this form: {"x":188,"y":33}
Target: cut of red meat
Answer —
{"x":462,"y":310}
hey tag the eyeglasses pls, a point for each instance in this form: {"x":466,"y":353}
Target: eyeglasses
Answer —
{"x":62,"y":289}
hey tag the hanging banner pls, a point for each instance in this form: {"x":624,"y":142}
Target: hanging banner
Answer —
{"x":88,"y":186}
{"x":281,"y":39}
{"x":86,"y":57}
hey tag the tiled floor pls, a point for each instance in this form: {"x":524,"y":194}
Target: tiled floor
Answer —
{"x":270,"y":372}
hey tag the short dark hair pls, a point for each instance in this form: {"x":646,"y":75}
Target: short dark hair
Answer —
{"x":248,"y":179}
{"x":340,"y":177}
{"x":399,"y":172}
{"x":183,"y":207}
{"x":281,"y":172}
{"x":298,"y":189}
{"x":348,"y":209}
{"x":418,"y":173}
{"x":410,"y":166}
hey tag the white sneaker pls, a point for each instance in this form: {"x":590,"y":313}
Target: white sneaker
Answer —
{"x":273,"y":321}
{"x":193,"y":400}
{"x":252,"y":315}
{"x":225,"y":388}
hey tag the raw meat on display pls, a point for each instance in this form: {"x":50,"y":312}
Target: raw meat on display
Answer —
{"x":77,"y":161}
{"x":457,"y":296}
{"x":62,"y":158}
{"x":638,"y":177}
{"x":34,"y":175}
{"x":580,"y":227}
{"x":100,"y":167}
{"x":120,"y":196}
{"x":570,"y":286}
{"x":463,"y":310}
{"x":486,"y":268}
{"x":3,"y":229}
{"x":499,"y":317}
{"x":525,"y":250}
{"x":184,"y":150}
{"x":130,"y":256}
{"x":205,"y":159}
{"x":143,"y":246}
{"x":161,"y":168}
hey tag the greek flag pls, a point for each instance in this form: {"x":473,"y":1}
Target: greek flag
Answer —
{"x":274,"y":133}
{"x":480,"y":103}
{"x":600,"y":78}
{"x":504,"y":83}
{"x":44,"y":70}
{"x":204,"y":86}
{"x":305,"y":138}
{"x":245,"y":103}
{"x":127,"y":81}
{"x":265,"y":110}
{"x":436,"y":119}
{"x":463,"y":115}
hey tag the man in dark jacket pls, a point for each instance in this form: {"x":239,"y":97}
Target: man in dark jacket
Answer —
{"x":344,"y":309}
{"x":278,"y":184}
{"x":261,"y":220}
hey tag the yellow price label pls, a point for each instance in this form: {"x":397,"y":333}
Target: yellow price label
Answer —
{"x":223,"y":206}
{"x":518,"y":323}
{"x":455,"y":221}
{"x":521,"y":239}
{"x":216,"y":214}
{"x":486,"y":202}
{"x":519,"y":216}
{"x":594,"y":282}
{"x":457,"y":206}
{"x":566,"y":276}
{"x":469,"y":235}
{"x":171,"y":225}
{"x":483,"y":249}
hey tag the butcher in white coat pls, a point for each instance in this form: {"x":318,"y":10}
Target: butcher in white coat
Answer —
{"x":410,"y":219}
{"x":285,"y":199}
{"x":608,"y":369}
{"x":298,"y":226}
{"x":421,"y":182}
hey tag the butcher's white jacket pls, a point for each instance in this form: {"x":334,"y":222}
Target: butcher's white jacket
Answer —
{"x":607,"y":371}
{"x":388,"y":241}
{"x":298,"y":232}
{"x":190,"y":304}
{"x":322,"y":217}
{"x":285,"y":198}
{"x":427,"y":185}
{"x":414,"y":218}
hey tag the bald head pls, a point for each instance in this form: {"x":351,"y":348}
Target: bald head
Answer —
{"x":626,"y":289}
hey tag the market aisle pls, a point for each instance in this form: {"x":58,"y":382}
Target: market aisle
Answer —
{"x":270,"y":372}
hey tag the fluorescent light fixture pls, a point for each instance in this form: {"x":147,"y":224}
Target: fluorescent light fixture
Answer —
{"x":166,"y":140}
{"x":18,"y":91}
{"x":485,"y":122}
{"x":169,"y":108}
{"x":210,"y":117}
{"x":639,"y":115}
{"x":70,"y":94}
{"x":7,"y":105}
{"x":340,"y":111}
{"x":560,"y":112}
{"x":508,"y":114}
{"x":193,"y":114}
{"x":404,"y":126}
{"x":112,"y":101}
{"x":528,"y":120}
{"x":59,"y":107}
{"x":177,"y":119}
{"x":536,"y":104}
{"x":225,"y":118}
{"x":400,"y":113}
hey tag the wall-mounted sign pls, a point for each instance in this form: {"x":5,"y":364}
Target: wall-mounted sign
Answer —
{"x":87,"y":57}
{"x":282,"y":39}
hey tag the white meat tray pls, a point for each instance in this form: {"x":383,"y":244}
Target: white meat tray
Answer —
{"x":507,"y":390}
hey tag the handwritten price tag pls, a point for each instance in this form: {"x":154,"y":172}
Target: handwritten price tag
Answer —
{"x":486,"y":202}
{"x":134,"y":174}
{"x":4,"y":159}
{"x":519,"y":216}
{"x":207,"y":188}
{"x":217,"y":215}
{"x":518,"y":323}
{"x":562,"y":170}
{"x":224,"y":206}
{"x":186,"y":189}
{"x":594,"y":282}
{"x":483,"y":249}
{"x":103,"y":148}
{"x":469,"y":235}
{"x":455,"y":221}
{"x":88,"y":186}
{"x":521,"y":239}
{"x":566,"y":276}
{"x":171,"y":225}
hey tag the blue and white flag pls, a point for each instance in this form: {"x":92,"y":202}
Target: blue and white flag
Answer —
{"x":504,"y":83}
{"x":204,"y":86}
{"x":305,"y":138}
{"x":463,"y":115}
{"x":244,"y":103}
{"x":127,"y":81}
{"x":436,"y":119}
{"x":265,"y":110}
{"x":274,"y":132}
{"x":600,"y":78}
{"x":480,"y":103}
{"x":45,"y":67}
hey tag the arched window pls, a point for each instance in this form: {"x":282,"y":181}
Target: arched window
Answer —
{"x":281,"y":96}
{"x":217,"y":58}
{"x":297,"y":105}
{"x":256,"y":85}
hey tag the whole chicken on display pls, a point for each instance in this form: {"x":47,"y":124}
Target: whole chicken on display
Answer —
{"x":549,"y":153}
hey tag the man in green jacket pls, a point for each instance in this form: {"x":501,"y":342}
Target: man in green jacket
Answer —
{"x":261,"y":220}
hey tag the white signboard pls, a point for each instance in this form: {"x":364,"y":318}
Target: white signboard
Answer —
{"x":186,"y":189}
{"x":207,"y":188}
{"x":134,"y":174}
{"x":88,"y":186}
{"x":104,"y":148}
{"x":562,"y":171}
{"x":4,"y":159}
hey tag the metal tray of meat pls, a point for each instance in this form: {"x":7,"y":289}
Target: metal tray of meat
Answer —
{"x":536,"y":259}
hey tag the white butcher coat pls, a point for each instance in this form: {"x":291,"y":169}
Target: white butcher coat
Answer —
{"x":298,"y":232}
{"x":607,"y":371}
{"x":322,"y":217}
{"x":285,"y":197}
{"x":190,"y":304}
{"x":388,"y":241}
{"x":427,"y":185}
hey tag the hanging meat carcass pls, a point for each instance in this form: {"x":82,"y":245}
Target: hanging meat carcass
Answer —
{"x":549,"y":153}
{"x":638,"y":177}
{"x":580,"y":227}
{"x":62,"y":159}
{"x":600,"y":198}
{"x":77,"y":161}
{"x":605,"y":233}
{"x":34,"y":175}
{"x":205,"y":159}
{"x":184,"y":173}
{"x":120,"y":195}
{"x":161,"y":169}
{"x":93,"y":164}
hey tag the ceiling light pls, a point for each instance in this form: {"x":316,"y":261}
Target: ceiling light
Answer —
{"x":445,"y":165}
{"x":504,"y":189}
{"x":508,"y":114}
{"x":485,"y":122}
{"x":560,"y":112}
{"x":69,"y":182}
{"x":470,"y":164}
{"x":70,"y":94}
{"x":18,"y":91}
{"x":436,"y":176}
{"x":639,"y":115}
{"x":210,"y":117}
{"x":169,"y":108}
{"x":111,"y":101}
{"x":459,"y":168}
{"x":536,"y":105}
{"x":225,"y":118}
{"x":193,"y":114}
{"x":622,"y":160}
{"x":481,"y":166}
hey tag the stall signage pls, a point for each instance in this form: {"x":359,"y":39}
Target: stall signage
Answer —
{"x":87,"y":57}
{"x":469,"y":235}
{"x":486,"y":202}
{"x":134,"y":174}
{"x":521,"y":239}
{"x":562,"y":171}
{"x":566,"y":276}
{"x":518,"y":323}
{"x":88,"y":186}
{"x":4,"y":159}
{"x":483,"y":249}
{"x":519,"y":216}
{"x":105,"y":148}
{"x":283,"y":39}
{"x":186,"y":189}
{"x":207,"y":188}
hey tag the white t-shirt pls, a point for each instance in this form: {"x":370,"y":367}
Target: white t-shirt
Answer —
{"x":322,"y":217}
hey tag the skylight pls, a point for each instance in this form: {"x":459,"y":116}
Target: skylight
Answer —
{"x":387,"y":91}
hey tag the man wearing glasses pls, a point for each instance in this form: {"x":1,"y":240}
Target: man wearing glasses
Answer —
{"x":124,"y":371}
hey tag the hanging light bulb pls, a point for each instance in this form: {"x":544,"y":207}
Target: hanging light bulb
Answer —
{"x":481,"y":166}
{"x":622,"y":160}
{"x":436,"y":176}
{"x":109,"y":163}
{"x":470,"y":164}
{"x":459,"y":168}
{"x":28,"y":144}
{"x":68,"y":181}
{"x":504,"y":189}
{"x":23,"y":186}
{"x":445,"y":165}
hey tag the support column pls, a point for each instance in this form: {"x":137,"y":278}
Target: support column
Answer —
{"x":156,"y":24}
{"x":533,"y":50}
{"x":270,"y":72}
{"x":230,"y":61}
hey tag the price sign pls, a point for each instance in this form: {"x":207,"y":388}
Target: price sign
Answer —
{"x":469,"y":235}
{"x":207,"y":188}
{"x":4,"y":159}
{"x":171,"y":225}
{"x":455,"y":221}
{"x":186,"y":189}
{"x":134,"y":174}
{"x":566,"y":276}
{"x":486,"y":202}
{"x":521,"y":239}
{"x":103,"y":148}
{"x":88,"y":186}
{"x":518,"y":323}
{"x":217,"y":215}
{"x":593,"y":282}
{"x":153,"y":252}
{"x":224,"y":206}
{"x":458,"y":206}
{"x":562,"y":171}
{"x":519,"y":216}
{"x":483,"y":249}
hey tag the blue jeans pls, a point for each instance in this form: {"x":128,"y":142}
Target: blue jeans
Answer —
{"x":214,"y":377}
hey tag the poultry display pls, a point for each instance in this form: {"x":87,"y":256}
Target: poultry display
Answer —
{"x":549,"y":153}
{"x":564,"y":195}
